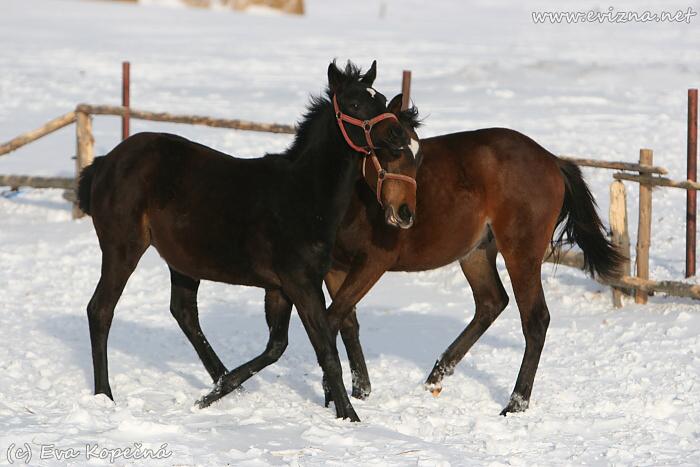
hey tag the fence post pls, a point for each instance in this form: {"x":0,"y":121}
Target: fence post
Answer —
{"x":126,"y":98}
{"x":646,"y":157}
{"x":691,"y":195}
{"x":620,"y":234}
{"x":85,"y":152}
{"x":406,"y":89}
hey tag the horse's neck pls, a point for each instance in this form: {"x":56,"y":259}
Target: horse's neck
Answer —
{"x":329,"y":170}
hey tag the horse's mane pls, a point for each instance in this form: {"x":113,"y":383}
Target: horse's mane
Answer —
{"x":318,"y":104}
{"x":410,"y":117}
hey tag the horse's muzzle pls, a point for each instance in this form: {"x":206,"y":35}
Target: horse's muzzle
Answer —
{"x":403,"y":218}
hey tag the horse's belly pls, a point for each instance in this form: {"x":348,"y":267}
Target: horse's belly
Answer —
{"x":212,"y":254}
{"x":441,"y":246}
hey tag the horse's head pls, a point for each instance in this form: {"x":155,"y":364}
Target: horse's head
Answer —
{"x":362,"y":117}
{"x":355,"y":95}
{"x":398,"y":155}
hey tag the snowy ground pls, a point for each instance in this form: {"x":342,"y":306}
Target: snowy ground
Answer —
{"x":615,"y":387}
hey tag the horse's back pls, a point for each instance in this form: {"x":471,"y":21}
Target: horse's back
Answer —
{"x":185,"y":199}
{"x":500,"y":159}
{"x":154,"y":170}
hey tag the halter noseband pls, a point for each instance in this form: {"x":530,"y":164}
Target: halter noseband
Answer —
{"x":368,"y":150}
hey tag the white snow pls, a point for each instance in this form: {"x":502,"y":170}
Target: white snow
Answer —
{"x":614,"y":387}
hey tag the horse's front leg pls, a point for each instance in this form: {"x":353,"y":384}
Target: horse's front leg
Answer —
{"x":346,"y":290}
{"x":309,"y":301}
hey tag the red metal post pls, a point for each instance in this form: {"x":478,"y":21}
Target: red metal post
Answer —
{"x":406,"y":89}
{"x":691,"y":195}
{"x":126,"y":85}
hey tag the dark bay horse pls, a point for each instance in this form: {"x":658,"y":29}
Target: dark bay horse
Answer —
{"x":479,"y":193}
{"x":267,"y":222}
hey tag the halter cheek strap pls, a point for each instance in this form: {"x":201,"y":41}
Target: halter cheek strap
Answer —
{"x":368,"y":150}
{"x":384,"y":175}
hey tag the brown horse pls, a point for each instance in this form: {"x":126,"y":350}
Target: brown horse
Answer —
{"x":268,"y":222}
{"x":479,"y":193}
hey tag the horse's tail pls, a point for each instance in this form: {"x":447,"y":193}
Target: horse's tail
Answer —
{"x":87,"y":175}
{"x":583,"y":226}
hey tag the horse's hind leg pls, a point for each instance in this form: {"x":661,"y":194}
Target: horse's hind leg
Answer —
{"x":490,"y":298}
{"x":524,"y":270}
{"x":118,"y":262}
{"x":183,"y":306}
{"x":278,"y":310}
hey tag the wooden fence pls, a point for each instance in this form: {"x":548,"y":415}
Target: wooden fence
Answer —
{"x":638,"y":285}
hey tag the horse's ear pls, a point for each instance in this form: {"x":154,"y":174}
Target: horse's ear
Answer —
{"x":371,"y":74}
{"x":335,"y":77}
{"x":395,"y":104}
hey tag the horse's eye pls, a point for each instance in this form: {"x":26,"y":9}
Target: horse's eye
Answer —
{"x":355,"y":106}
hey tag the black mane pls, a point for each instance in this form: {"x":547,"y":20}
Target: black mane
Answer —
{"x":307,"y":126}
{"x":318,"y":104}
{"x":410,"y":117}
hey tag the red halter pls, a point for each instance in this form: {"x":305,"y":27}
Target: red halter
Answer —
{"x":368,"y":150}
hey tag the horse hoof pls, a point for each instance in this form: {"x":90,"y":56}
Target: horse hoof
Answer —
{"x":348,"y":414}
{"x":516,"y":404}
{"x":105,"y":392}
{"x":205,"y":402}
{"x":435,"y":389}
{"x":361,"y":393}
{"x":210,"y":398}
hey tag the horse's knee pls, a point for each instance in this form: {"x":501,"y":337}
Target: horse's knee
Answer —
{"x":91,"y":309}
{"x":99,"y":316}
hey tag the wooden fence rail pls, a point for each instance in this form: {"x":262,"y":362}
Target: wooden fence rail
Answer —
{"x":26,"y":138}
{"x":574,"y":259}
{"x":658,"y":181}
{"x":190,"y":119}
{"x":16,"y":181}
{"x":615,"y":165}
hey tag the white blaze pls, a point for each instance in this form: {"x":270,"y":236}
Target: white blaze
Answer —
{"x":371,"y":92}
{"x":415,"y":146}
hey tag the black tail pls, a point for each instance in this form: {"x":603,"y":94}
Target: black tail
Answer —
{"x":584,"y":227}
{"x":85,"y":184}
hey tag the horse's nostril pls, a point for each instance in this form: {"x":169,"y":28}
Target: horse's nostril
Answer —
{"x":405,"y":213}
